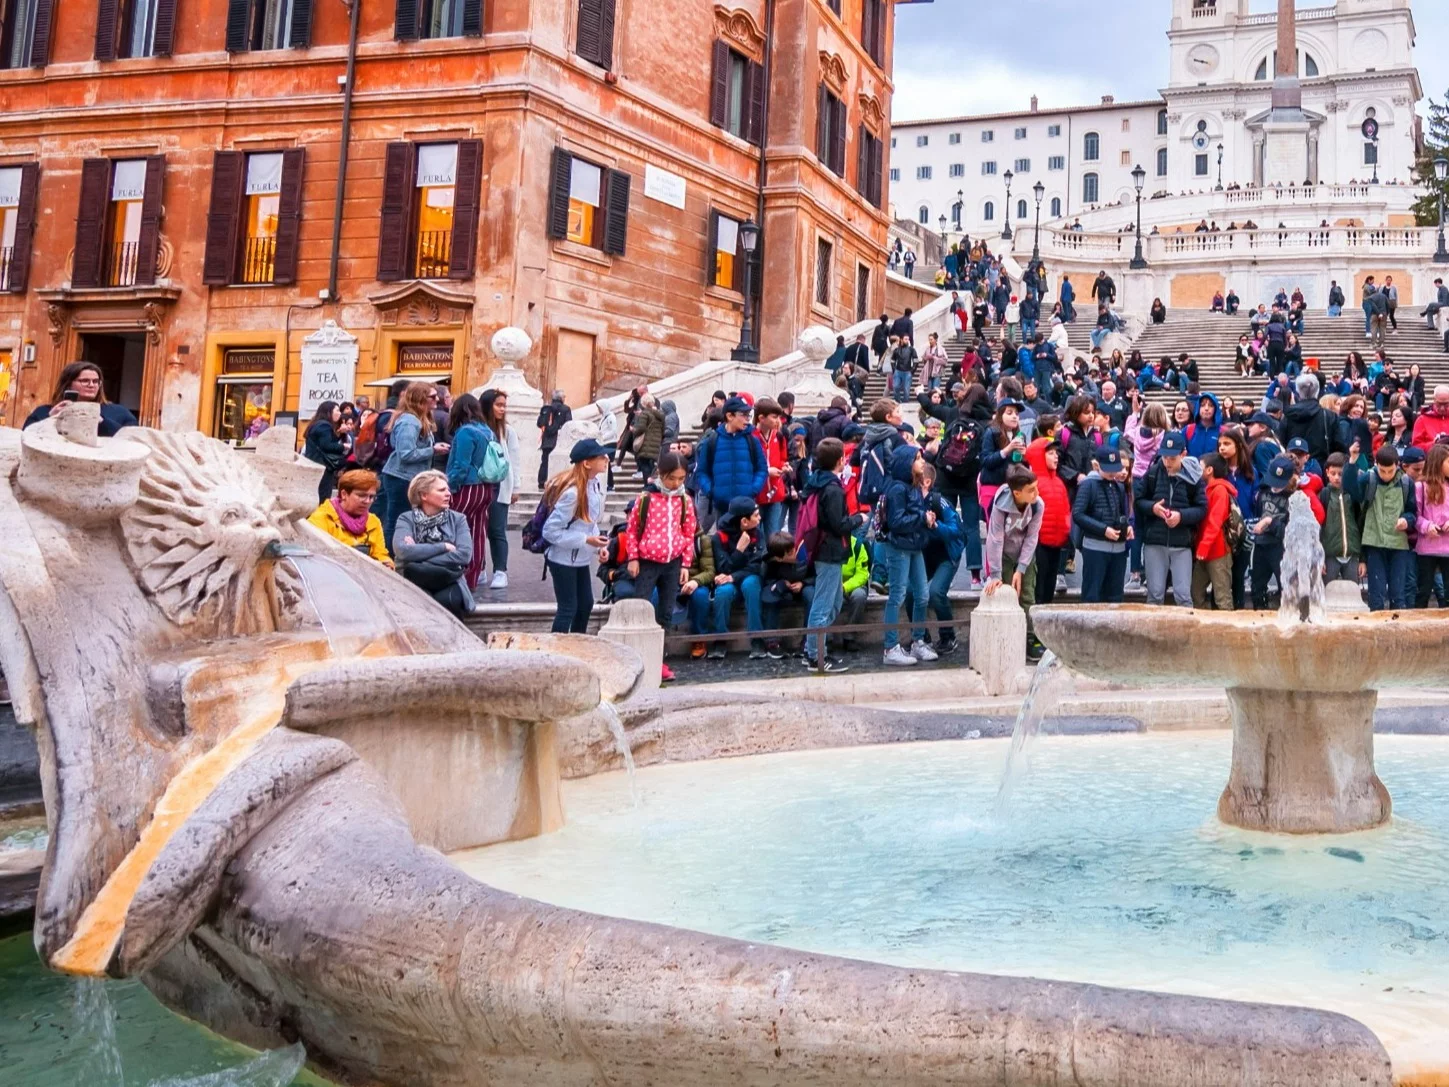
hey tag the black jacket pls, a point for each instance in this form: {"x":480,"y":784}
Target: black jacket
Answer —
{"x":1077,"y":455}
{"x":880,"y":338}
{"x":551,"y":418}
{"x":835,"y":524}
{"x":323,"y":446}
{"x":903,"y":326}
{"x":728,"y":559}
{"x":1175,"y":492}
{"x":1317,"y":426}
{"x":1100,"y":504}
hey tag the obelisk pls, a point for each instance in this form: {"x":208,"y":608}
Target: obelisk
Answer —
{"x":1286,"y":128}
{"x":1287,"y":90}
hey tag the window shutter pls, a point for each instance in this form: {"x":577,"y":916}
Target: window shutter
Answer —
{"x":405,"y":21}
{"x":300,"y":35}
{"x":24,"y":228}
{"x":822,"y":124}
{"x":587,"y":39}
{"x":148,"y":244}
{"x":106,"y":29}
{"x":877,"y":193}
{"x":467,"y":190}
{"x":289,"y":216}
{"x":561,"y":172}
{"x":862,"y":162}
{"x":755,"y":103}
{"x":616,"y":213}
{"x":711,"y":246}
{"x":238,"y":14}
{"x":838,"y":134}
{"x":90,"y":222}
{"x":606,"y":35}
{"x":40,"y":39}
{"x":165,"y":29}
{"x":867,"y":28}
{"x":223,"y":219}
{"x":473,"y":18}
{"x":394,"y":234}
{"x":719,"y":87}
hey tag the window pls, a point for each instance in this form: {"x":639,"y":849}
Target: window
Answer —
{"x":1021,"y":209}
{"x":588,"y":204}
{"x":1370,"y":153}
{"x":1054,"y":130}
{"x":1091,"y":147}
{"x":134,"y":28}
{"x":594,"y":39}
{"x":1056,"y":207}
{"x":253,"y":25}
{"x":923,"y":141}
{"x":1126,"y":124}
{"x":954,"y":139}
{"x":895,"y":173}
{"x":118,"y":222}
{"x":25,"y":33}
{"x":988,"y":169}
{"x":958,"y":169}
{"x":17,"y":224}
{"x":824,"y":254}
{"x":873,"y":29}
{"x":989,"y":211}
{"x":1019,"y":134}
{"x":1125,"y":158}
{"x":987,"y":135}
{"x":1089,"y":188}
{"x":830,"y":124}
{"x":1057,"y":162}
{"x":956,"y":214}
{"x":862,"y":292}
{"x":870,"y":159}
{"x":1307,"y":66}
{"x":430,"y":206}
{"x":923,"y":215}
{"x":726,"y":268}
{"x":1200,"y":166}
{"x":244,"y":393}
{"x":1162,"y":122}
{"x":1310,"y":66}
{"x":834,"y":5}
{"x":1162,"y":162}
{"x":255,"y":212}
{"x":737,"y":94}
{"x":1023,"y":166}
{"x":893,"y":143}
{"x":923,"y":173}
{"x":437,"y":194}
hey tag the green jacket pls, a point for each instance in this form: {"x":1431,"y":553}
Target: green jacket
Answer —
{"x":855,"y":574}
{"x":1383,"y":505}
{"x":701,"y":570}
{"x":1341,"y":532}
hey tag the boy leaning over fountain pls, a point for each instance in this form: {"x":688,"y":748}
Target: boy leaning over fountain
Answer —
{"x":1013,"y":529}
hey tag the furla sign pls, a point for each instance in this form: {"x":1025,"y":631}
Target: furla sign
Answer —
{"x":329,"y":369}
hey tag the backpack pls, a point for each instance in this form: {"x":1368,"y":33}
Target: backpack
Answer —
{"x":807,"y":529}
{"x":374,"y":447}
{"x":960,"y":456}
{"x":1236,"y":530}
{"x":873,"y":476}
{"x":495,"y":463}
{"x":533,"y":530}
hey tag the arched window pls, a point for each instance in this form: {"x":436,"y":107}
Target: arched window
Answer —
{"x":923,"y":216}
{"x":989,"y":211}
{"x":1021,"y":209}
{"x":1089,"y":188}
{"x":1310,"y":66}
{"x":1091,"y":147}
{"x":1162,"y":162}
{"x":1307,"y":66}
{"x":1056,"y":207}
{"x":956,"y":214}
{"x":1162,"y":122}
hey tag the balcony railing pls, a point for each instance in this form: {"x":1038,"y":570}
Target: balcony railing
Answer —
{"x":5,"y":255}
{"x":1287,"y":242}
{"x":121,"y":268}
{"x":259,"y":260}
{"x":435,"y":250}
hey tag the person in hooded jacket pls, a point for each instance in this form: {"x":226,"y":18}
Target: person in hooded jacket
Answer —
{"x":1079,"y":443}
{"x":833,"y":419}
{"x":739,"y":565}
{"x":834,"y":530}
{"x":1202,"y":433}
{"x":730,"y":462}
{"x":1002,"y":445}
{"x":1213,"y":552}
{"x":671,"y":422}
{"x":872,"y":456}
{"x":1169,"y":508}
{"x":1311,"y":421}
{"x":944,"y":549}
{"x":904,"y":525}
{"x":1102,"y":521}
{"x":1043,"y":458}
{"x":648,"y":435}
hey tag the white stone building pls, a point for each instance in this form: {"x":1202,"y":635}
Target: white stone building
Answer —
{"x":1355,"y":61}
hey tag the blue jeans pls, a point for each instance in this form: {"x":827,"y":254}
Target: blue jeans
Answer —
{"x":825,"y":606}
{"x":772,"y":519}
{"x":1028,"y":331}
{"x":939,"y":586}
{"x":908,"y":574}
{"x":970,"y":523}
{"x":1388,"y":574}
{"x":573,"y":589}
{"x":1104,"y":575}
{"x":711,"y":612}
{"x":900,"y":384}
{"x":1098,"y":335}
{"x":1335,"y":311}
{"x":1367,"y":318}
{"x":395,"y":504}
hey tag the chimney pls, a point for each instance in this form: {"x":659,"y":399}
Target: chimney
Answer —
{"x":1033,"y":103}
{"x":1108,"y":99}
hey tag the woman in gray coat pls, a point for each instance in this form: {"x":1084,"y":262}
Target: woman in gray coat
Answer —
{"x":433,"y":545}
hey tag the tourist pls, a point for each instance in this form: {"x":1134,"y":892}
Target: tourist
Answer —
{"x":1433,"y":424}
{"x":1432,"y":511}
{"x":934,"y":363}
{"x":1067,"y":295}
{"x":904,"y":327}
{"x":1270,"y":513}
{"x":880,"y":341}
{"x":1387,"y":511}
{"x":1336,"y":299}
{"x":432,"y":544}
{"x":1376,"y":303}
{"x":551,"y":418}
{"x":730,"y":462}
{"x":1306,"y":418}
{"x":1013,"y":531}
{"x":1102,"y":525}
{"x":476,"y":466}
{"x":1212,"y":565}
{"x":903,"y":529}
{"x":785,"y":580}
{"x":575,"y":501}
{"x":1158,"y":312}
{"x":828,"y":549}
{"x":1202,"y":433}
{"x":1143,"y":433}
{"x":1043,"y":457}
{"x":1002,"y":445}
{"x":1341,"y":533}
{"x":739,"y":562}
{"x":83,"y":382}
{"x":609,"y":434}
{"x":323,"y":445}
{"x":1391,"y":302}
{"x":944,"y":548}
{"x":774,"y":495}
{"x":659,"y":536}
{"x":410,"y":435}
{"x":494,"y":403}
{"x":1169,"y":507}
{"x":348,"y":517}
{"x":1219,"y":304}
{"x":1400,"y":430}
{"x":1413,"y":387}
{"x":1233,"y":302}
{"x":625,"y":444}
{"x":903,"y":365}
{"x":1079,"y":443}
{"x":647,"y":435}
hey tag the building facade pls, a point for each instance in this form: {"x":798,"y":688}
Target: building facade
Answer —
{"x":171,"y":206}
{"x":1355,"y":61}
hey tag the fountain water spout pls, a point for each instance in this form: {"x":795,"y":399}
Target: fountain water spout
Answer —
{"x":1300,"y":576}
{"x":278,"y":550}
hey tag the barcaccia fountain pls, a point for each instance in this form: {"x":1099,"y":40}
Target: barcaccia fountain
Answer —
{"x":257,"y":746}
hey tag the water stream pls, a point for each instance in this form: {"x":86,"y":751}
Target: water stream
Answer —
{"x":1300,"y":577}
{"x":343,"y":610}
{"x":621,"y":740}
{"x":1041,"y":699}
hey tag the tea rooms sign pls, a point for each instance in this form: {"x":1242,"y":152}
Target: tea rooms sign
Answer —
{"x":329,"y":369}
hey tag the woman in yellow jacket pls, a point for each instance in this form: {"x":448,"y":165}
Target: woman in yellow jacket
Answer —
{"x":349,"y":517}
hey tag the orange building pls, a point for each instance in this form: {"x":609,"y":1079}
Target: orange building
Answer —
{"x":170,"y":203}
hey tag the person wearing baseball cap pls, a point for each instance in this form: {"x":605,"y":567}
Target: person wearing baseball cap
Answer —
{"x":575,"y":500}
{"x":1270,"y":511}
{"x":1102,"y":528}
{"x":730,"y":462}
{"x":1169,"y":508}
{"x":1307,"y":465}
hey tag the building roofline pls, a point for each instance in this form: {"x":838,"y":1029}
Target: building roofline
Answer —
{"x":1100,"y":107}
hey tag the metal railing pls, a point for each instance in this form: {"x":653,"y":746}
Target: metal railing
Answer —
{"x":259,"y":260}
{"x":121,"y":268}
{"x":5,"y":256}
{"x":435,"y":251}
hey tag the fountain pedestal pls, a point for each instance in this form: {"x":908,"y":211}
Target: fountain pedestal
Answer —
{"x":1303,"y":763}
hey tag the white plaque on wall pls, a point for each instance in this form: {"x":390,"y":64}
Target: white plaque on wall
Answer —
{"x":663,"y":186}
{"x":329,"y":369}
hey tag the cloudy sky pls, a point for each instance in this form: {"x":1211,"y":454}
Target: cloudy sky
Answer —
{"x":947,"y":61}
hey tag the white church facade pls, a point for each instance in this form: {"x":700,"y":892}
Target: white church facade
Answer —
{"x":1213,"y":131}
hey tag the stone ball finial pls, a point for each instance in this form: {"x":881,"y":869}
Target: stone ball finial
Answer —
{"x":816,"y":343}
{"x":511,"y":345}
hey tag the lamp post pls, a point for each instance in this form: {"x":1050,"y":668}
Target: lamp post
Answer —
{"x":944,"y":243}
{"x":1006,"y":231}
{"x":959,"y":211}
{"x":1441,"y":171}
{"x":1038,"y":190}
{"x":1139,"y":176}
{"x":749,"y":240}
{"x":1220,"y":167}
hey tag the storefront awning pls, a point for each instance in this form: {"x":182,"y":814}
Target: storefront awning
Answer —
{"x":244,"y":379}
{"x":442,"y":377}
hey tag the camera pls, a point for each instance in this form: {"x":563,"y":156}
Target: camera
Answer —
{"x":1123,"y":523}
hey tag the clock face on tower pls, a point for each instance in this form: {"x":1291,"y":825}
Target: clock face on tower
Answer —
{"x":1202,"y":59}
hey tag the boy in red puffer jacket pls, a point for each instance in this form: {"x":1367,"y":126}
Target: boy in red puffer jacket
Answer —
{"x":1212,"y":555}
{"x":1042,"y":456}
{"x":658,"y":541}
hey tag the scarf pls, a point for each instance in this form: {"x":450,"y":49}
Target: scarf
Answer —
{"x":429,"y":530}
{"x":357,"y":526}
{"x":678,"y":492}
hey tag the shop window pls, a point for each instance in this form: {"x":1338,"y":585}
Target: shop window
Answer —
{"x":588,"y":203}
{"x":134,"y":28}
{"x":18,"y":186}
{"x":255,"y":216}
{"x":244,"y":393}
{"x":429,"y":227}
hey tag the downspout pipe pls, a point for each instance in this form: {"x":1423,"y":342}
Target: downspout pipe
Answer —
{"x":759,"y":277}
{"x":355,"y":10}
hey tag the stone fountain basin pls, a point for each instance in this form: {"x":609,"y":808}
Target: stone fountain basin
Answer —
{"x":1168,"y":647}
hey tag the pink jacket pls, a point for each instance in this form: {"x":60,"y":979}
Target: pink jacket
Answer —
{"x":1437,"y":515}
{"x":1144,"y":449}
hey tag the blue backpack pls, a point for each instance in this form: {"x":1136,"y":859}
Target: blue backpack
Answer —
{"x":874,"y":475}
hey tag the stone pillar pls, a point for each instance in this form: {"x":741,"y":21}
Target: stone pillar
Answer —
{"x":816,"y":390}
{"x":510,"y":347}
{"x":998,"y":640}
{"x":631,"y":623}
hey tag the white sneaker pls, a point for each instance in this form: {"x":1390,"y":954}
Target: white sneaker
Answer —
{"x":898,"y":657}
{"x":500,"y":580}
{"x":924,"y":653}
